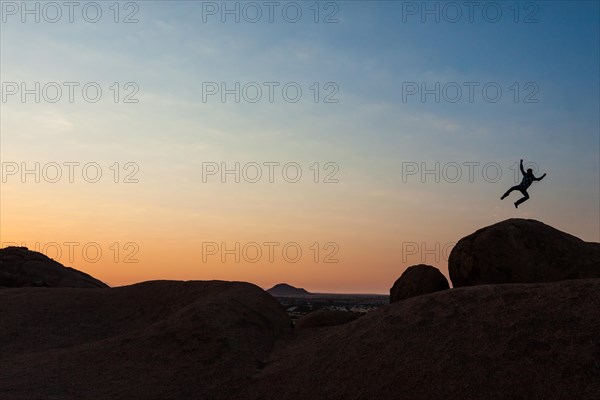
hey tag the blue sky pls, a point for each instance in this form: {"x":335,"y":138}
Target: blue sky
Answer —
{"x":370,"y":132}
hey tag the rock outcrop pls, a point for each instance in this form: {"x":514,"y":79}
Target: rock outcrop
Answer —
{"x":493,"y":342}
{"x":521,"y":251}
{"x":232,"y":340}
{"x":21,"y":267}
{"x":418,"y":280}
{"x":153,"y":340}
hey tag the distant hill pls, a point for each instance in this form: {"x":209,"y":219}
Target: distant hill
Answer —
{"x":283,"y":289}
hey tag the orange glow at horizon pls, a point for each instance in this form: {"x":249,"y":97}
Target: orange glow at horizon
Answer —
{"x":122,"y":243}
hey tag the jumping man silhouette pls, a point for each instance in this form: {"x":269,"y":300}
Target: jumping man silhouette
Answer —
{"x":528,"y":179}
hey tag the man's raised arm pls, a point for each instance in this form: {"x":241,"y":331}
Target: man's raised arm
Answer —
{"x":521,"y":165}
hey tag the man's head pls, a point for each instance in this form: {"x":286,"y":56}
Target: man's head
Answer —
{"x":529,"y":171}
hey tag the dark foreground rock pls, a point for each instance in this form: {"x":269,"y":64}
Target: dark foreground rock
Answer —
{"x":226,"y":340}
{"x":418,"y":280}
{"x":521,"y":250}
{"x":153,"y":340}
{"x":21,"y":267}
{"x":493,"y":342}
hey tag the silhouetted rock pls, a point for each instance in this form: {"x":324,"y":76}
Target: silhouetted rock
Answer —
{"x":283,"y":289}
{"x":153,"y":340}
{"x":21,"y":267}
{"x":492,"y":342}
{"x":521,"y":250}
{"x":417,"y":280}
{"x":326,"y":318}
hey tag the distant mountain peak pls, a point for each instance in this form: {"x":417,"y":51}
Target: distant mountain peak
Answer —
{"x":284,"y":289}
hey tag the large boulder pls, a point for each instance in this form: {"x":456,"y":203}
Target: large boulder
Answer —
{"x":417,"y":280}
{"x":21,"y":267}
{"x":521,"y":251}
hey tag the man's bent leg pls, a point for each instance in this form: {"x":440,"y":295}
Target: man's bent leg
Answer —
{"x":509,"y":191}
{"x":523,"y":199}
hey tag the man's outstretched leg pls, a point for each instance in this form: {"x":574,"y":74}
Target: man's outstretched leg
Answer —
{"x":509,"y":191}
{"x":522,"y":199}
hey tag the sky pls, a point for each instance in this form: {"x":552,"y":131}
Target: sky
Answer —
{"x":329,"y":145}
